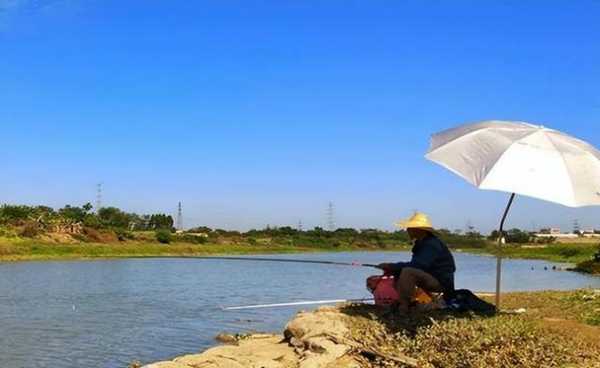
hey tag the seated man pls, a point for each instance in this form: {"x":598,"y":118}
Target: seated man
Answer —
{"x":431,"y":268}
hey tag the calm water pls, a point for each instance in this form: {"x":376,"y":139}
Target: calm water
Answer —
{"x":109,"y":313}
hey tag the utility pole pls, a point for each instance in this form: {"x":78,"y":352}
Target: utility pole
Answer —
{"x":469,"y":227}
{"x":330,"y":217}
{"x":98,"y":197}
{"x":179,"y":217}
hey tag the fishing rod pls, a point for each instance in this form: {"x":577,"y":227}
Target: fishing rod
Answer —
{"x":294,"y":304}
{"x":282,"y":260}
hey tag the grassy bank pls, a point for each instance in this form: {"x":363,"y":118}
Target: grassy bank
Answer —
{"x":144,"y":244}
{"x":562,"y":252}
{"x":558,"y":329}
{"x":551,"y":329}
{"x":21,"y":250}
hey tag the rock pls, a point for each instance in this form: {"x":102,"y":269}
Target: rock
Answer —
{"x":322,"y":333}
{"x":166,"y":365}
{"x":262,"y":352}
{"x":226,"y":339}
{"x":297,"y":343}
{"x":312,"y":340}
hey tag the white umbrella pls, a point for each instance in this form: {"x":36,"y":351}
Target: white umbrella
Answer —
{"x":521,"y":158}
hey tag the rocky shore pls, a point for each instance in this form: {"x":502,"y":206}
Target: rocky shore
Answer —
{"x":553,"y":329}
{"x":310,"y":340}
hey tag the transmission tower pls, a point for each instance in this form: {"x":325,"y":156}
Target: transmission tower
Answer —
{"x":330,"y":217}
{"x":98,"y":197}
{"x":300,"y":226}
{"x":179,"y":217}
{"x":469,"y":227}
{"x":576,"y":227}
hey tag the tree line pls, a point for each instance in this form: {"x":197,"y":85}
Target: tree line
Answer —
{"x":32,"y":220}
{"x":48,"y":219}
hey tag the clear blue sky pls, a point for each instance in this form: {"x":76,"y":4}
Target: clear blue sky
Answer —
{"x":260,"y":112}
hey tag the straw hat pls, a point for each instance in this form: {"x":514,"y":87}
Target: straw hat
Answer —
{"x":417,"y":221}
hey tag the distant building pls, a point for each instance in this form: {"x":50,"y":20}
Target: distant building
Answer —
{"x":550,"y":231}
{"x":555,"y":232}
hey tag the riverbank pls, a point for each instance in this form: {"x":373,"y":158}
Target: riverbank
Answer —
{"x":19,"y":249}
{"x":555,"y":329}
{"x":559,"y":252}
{"x":31,"y":250}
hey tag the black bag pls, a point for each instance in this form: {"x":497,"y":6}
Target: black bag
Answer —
{"x":465,"y":301}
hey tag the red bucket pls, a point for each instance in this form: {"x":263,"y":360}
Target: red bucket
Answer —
{"x":383,"y":289}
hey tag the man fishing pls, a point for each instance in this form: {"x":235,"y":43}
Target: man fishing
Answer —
{"x":432,"y":265}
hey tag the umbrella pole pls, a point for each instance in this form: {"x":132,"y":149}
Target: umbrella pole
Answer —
{"x":499,"y":256}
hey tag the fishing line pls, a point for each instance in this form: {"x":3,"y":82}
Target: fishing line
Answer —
{"x":281,"y":260}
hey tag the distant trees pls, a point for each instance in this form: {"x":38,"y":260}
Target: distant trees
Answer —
{"x":116,"y":223}
{"x":515,"y":236}
{"x":161,"y":221}
{"x":75,"y":214}
{"x":45,"y":218}
{"x":200,"y":230}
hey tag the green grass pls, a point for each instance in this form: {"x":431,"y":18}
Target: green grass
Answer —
{"x":15,"y":249}
{"x":568,"y":253}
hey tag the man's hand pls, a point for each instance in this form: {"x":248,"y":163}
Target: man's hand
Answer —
{"x":386,"y":267}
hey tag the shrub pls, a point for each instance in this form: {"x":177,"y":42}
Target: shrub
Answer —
{"x":193,"y":239}
{"x":30,"y":231}
{"x":123,"y":234}
{"x":589,"y":267}
{"x":545,"y":240}
{"x":91,"y":220}
{"x":518,"y":236}
{"x":15,"y":214}
{"x":163,"y":236}
{"x":569,"y":252}
{"x":99,"y":236}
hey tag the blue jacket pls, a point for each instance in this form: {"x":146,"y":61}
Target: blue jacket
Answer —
{"x":432,"y":256}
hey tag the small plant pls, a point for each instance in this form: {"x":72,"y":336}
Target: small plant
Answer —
{"x":163,"y":236}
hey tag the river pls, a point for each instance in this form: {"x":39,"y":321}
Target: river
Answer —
{"x":108,"y":313}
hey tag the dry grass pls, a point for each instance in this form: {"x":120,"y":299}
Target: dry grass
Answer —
{"x":557,"y":331}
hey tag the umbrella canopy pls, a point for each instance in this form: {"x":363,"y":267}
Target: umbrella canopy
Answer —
{"x":521,"y":158}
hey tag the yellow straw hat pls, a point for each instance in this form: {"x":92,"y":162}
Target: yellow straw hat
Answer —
{"x":417,"y":221}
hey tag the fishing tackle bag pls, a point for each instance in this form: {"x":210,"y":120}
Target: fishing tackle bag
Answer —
{"x":464,"y":300}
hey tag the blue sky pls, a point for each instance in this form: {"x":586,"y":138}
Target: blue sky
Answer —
{"x":261,"y":112}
